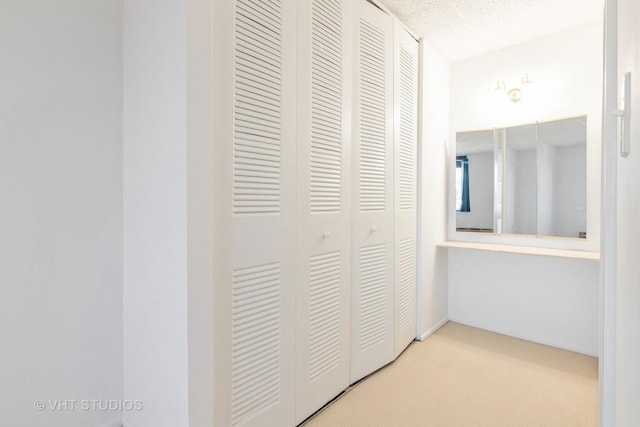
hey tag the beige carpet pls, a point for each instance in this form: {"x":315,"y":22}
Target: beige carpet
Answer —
{"x":463,"y":376}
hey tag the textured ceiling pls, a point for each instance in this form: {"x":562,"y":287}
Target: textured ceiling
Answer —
{"x":461,"y":29}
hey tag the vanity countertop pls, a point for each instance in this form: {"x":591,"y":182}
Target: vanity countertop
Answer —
{"x":525,"y":250}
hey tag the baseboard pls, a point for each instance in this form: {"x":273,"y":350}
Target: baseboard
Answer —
{"x":525,"y":337}
{"x":430,"y":332}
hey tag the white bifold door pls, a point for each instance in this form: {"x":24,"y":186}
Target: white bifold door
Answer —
{"x":324,"y":211}
{"x":315,"y":117}
{"x":254,"y":294}
{"x":372,"y":315}
{"x":405,"y":140}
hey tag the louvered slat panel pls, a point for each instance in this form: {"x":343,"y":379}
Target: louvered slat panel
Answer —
{"x":324,"y":313}
{"x":257,"y":107}
{"x":408,"y":127}
{"x":405,"y":150}
{"x":407,"y":281}
{"x":326,"y":107}
{"x":372,"y":118}
{"x":322,"y":263}
{"x":373,"y":279}
{"x":256,"y":330}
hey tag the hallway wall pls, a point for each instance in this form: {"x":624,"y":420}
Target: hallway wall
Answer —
{"x":432,"y":196}
{"x":155,"y":212}
{"x":169,"y":216}
{"x":548,"y":300}
{"x":516,"y":294}
{"x":61,"y":215}
{"x":566,"y":74}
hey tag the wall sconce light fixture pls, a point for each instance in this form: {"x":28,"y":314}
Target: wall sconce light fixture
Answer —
{"x":514,"y":94}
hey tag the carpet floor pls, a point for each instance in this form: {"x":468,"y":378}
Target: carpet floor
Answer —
{"x":468,"y":377}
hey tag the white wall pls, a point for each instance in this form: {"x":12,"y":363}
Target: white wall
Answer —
{"x":553,"y":301}
{"x":168,"y":212}
{"x":432,"y":206}
{"x":61,"y":215}
{"x":200,"y":210}
{"x":566,"y":72}
{"x":480,"y":193}
{"x":155,"y":212}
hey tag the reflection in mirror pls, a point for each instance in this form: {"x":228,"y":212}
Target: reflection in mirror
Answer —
{"x":474,"y":181}
{"x":520,"y":180}
{"x":528,"y":179}
{"x":562,"y":190}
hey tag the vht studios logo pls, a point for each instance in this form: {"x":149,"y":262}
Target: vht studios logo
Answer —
{"x":89,"y":405}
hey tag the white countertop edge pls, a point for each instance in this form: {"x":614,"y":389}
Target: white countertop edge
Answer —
{"x":525,"y":250}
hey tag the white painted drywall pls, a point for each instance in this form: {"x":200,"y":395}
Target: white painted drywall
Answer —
{"x":566,"y":74}
{"x":566,"y":71}
{"x":168,"y":212}
{"x":480,"y":193}
{"x":61,"y":215}
{"x":155,"y":212}
{"x":200,"y":210}
{"x":549,"y":300}
{"x":432,"y":206}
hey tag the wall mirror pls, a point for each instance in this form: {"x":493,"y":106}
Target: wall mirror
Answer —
{"x":528,"y":179}
{"x":475,"y":181}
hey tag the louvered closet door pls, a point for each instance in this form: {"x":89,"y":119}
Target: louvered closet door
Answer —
{"x":372,"y":343}
{"x":405,"y":170}
{"x":324,"y":211}
{"x":254,"y":115}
